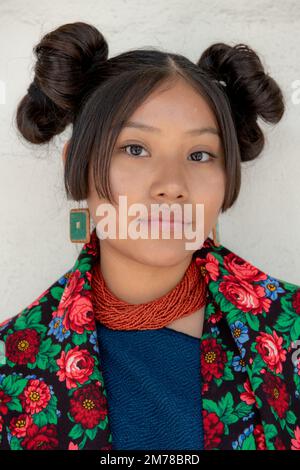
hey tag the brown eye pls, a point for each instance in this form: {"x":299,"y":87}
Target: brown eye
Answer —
{"x":199,"y":152}
{"x":136,"y":149}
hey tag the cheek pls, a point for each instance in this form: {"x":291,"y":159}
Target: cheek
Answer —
{"x":125,"y":182}
{"x":119,"y":183}
{"x":210,"y":191}
{"x":209,"y":188}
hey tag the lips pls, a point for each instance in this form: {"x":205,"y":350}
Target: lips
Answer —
{"x":164,"y":220}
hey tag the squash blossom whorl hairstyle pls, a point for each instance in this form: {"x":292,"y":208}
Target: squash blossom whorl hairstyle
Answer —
{"x":75,"y":83}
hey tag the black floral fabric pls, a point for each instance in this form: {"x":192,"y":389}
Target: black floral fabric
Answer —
{"x":52,"y":392}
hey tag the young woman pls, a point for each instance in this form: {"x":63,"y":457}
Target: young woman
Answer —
{"x":144,"y":344}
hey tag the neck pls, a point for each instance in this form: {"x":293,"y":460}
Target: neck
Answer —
{"x":138,"y":283}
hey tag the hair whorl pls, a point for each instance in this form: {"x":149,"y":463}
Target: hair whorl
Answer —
{"x":251,"y":91}
{"x":64,"y":75}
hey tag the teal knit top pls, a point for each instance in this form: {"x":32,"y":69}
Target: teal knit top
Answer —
{"x":153,"y":384}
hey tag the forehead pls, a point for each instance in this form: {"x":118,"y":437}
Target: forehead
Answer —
{"x":178,"y":105}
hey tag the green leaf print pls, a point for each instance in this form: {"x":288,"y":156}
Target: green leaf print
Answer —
{"x":13,"y":385}
{"x":15,"y":404}
{"x":270,"y":432}
{"x":249,"y":443}
{"x":57,"y":292}
{"x":79,"y":339}
{"x":210,"y":406}
{"x":91,"y":433}
{"x":295,"y":330}
{"x":225,"y":405}
{"x":76,"y":431}
{"x":242,"y":409}
{"x":291,"y":417}
{"x":253,"y":321}
{"x":15,"y":444}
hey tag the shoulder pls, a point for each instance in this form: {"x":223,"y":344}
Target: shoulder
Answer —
{"x":244,"y":290}
{"x":262,"y":312}
{"x":27,"y":357}
{"x":222,"y":264}
{"x":29,"y":325}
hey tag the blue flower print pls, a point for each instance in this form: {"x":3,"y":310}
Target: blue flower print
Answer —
{"x":238,"y":362}
{"x":57,"y":329}
{"x":239,"y":331}
{"x":272,"y":288}
{"x":237,"y":445}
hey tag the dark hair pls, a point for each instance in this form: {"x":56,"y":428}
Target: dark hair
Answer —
{"x":75,"y":83}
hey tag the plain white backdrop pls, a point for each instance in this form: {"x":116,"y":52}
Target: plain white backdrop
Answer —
{"x":264,"y":224}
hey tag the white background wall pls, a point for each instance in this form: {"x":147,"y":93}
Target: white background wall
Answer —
{"x":263,"y":226}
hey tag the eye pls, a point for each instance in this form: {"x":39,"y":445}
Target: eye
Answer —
{"x":136,"y":150}
{"x":210,"y":155}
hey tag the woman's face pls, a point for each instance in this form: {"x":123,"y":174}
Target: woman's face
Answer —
{"x":165,"y":166}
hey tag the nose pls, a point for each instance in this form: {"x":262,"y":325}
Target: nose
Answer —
{"x":169,"y":186}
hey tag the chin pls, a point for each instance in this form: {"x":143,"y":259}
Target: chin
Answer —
{"x":161,"y":252}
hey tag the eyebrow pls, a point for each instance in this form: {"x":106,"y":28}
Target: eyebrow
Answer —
{"x":197,"y":131}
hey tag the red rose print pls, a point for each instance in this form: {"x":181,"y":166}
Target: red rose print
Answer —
{"x":248,"y":396}
{"x":23,"y":346}
{"x":277,"y":395}
{"x":44,"y":438}
{"x":35,"y":396}
{"x":214,"y":429}
{"x":4,"y":399}
{"x":71,"y":290}
{"x":270,"y":349}
{"x":88,"y":406}
{"x":296,"y":301}
{"x":79,"y":315}
{"x":209,"y":267}
{"x":241,"y":269}
{"x":295,"y":443}
{"x":213,"y":359}
{"x":19,"y":425}
{"x":245,"y":296}
{"x":75,"y":366}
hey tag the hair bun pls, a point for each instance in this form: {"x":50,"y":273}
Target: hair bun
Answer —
{"x":67,"y":59}
{"x":251,"y":91}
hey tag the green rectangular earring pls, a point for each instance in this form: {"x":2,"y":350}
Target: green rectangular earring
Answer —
{"x":80,"y":225}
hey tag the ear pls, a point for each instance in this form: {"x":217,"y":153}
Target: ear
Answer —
{"x":65,"y":150}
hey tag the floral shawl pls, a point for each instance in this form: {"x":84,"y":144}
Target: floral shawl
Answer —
{"x":52,"y":392}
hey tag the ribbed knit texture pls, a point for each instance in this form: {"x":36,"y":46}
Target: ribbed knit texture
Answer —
{"x":153,"y":384}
